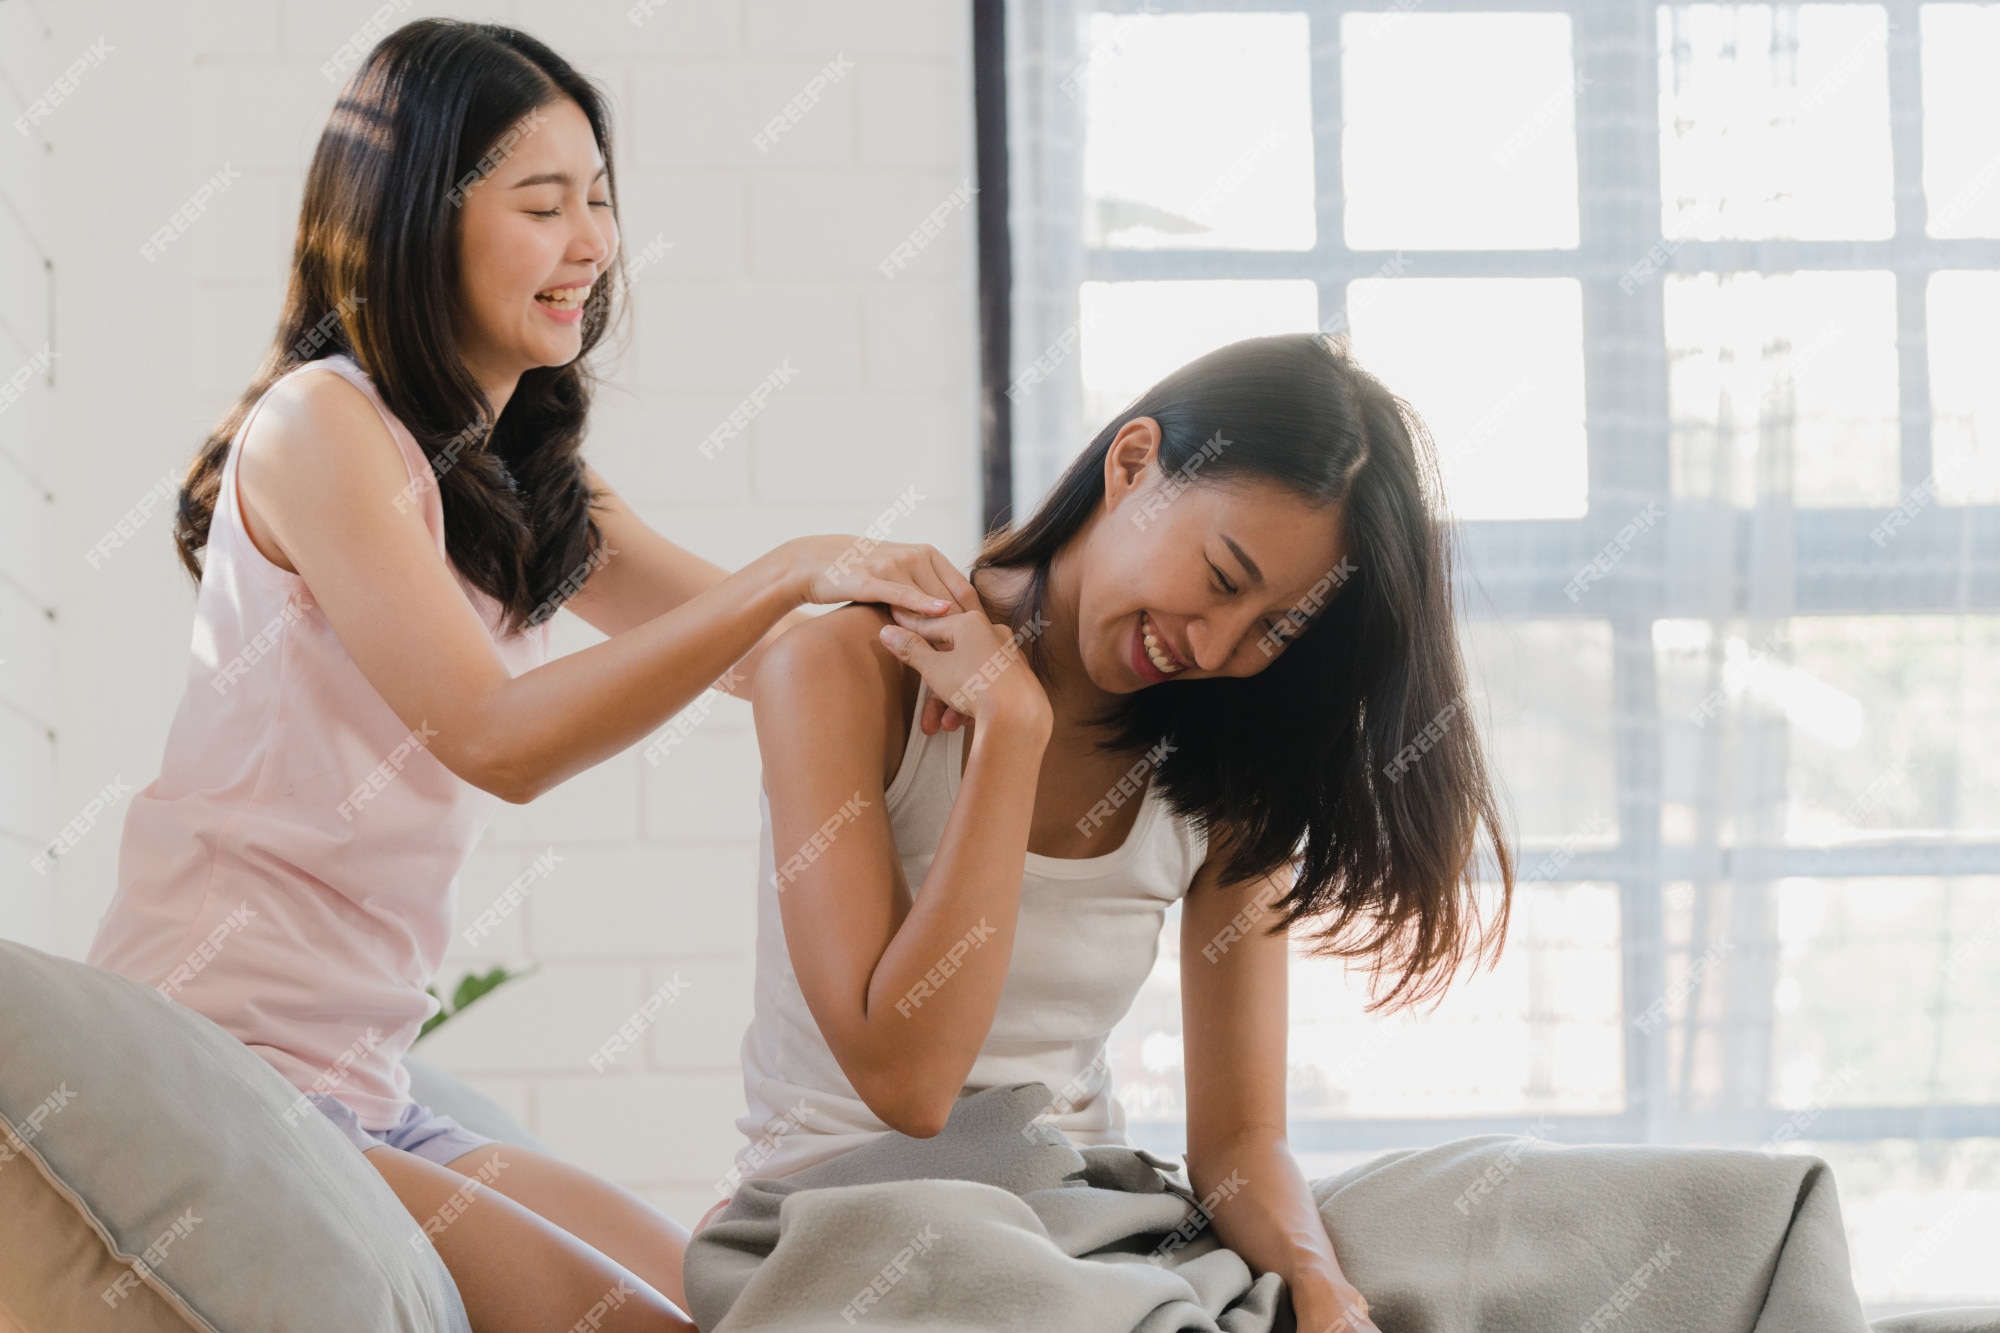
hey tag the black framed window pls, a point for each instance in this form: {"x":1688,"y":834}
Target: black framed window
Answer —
{"x":1699,"y":304}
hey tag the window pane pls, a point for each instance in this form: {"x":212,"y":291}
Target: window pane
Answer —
{"x":1921,"y":1217}
{"x":1541,"y":1031}
{"x":1965,"y":393}
{"x":1541,"y":690}
{"x":1881,"y":992}
{"x":1926,"y":756}
{"x":1198,"y":132}
{"x":1135,"y":333}
{"x":1495,"y":368}
{"x":1888,"y":992}
{"x":1721,"y":696}
{"x":1774,"y":121}
{"x":1961,"y":49}
{"x":1889,"y":727}
{"x":1458,"y":131}
{"x":1759,"y":360}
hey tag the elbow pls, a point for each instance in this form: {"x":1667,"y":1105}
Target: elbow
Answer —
{"x":920,"y":1113}
{"x":518,"y":788}
{"x":498,"y":774}
{"x":514,"y":795}
{"x":509,"y":786}
{"x":919,"y":1119}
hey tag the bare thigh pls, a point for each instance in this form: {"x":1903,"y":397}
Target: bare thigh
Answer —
{"x":609,"y":1219}
{"x":519,"y":1272}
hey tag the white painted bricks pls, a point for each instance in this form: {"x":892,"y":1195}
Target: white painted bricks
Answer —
{"x":773,"y":254}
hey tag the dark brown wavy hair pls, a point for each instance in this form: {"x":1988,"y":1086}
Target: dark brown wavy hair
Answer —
{"x":1309,"y":760}
{"x":375,"y":269}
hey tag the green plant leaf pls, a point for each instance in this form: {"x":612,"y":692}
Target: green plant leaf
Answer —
{"x":471,"y":987}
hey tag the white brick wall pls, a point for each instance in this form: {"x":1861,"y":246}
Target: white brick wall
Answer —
{"x":774,"y":257}
{"x":27,"y":599}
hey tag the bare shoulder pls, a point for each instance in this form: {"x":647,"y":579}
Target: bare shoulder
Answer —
{"x":834,"y":671}
{"x":315,"y":427}
{"x":842,"y":642}
{"x":317,"y":453}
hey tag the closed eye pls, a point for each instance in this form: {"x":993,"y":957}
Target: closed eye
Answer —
{"x":553,"y":212}
{"x":1227,"y":586}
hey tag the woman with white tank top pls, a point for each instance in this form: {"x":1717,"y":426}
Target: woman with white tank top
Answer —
{"x":1218,"y":666}
{"x":1085,"y":939}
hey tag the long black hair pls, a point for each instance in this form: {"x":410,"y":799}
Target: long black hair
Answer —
{"x":1353,"y":752}
{"x":375,"y":271}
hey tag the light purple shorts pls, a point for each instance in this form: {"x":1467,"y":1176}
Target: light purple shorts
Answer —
{"x":421,"y":1131}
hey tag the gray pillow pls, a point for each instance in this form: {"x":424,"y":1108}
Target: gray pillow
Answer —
{"x":1983,"y":1319}
{"x":167,"y":1138}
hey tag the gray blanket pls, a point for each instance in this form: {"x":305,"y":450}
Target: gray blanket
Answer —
{"x":998,"y":1223}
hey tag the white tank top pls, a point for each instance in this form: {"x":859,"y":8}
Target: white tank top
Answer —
{"x":1087,"y":936}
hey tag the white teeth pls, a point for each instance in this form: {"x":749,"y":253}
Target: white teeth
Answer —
{"x":1159,"y":659}
{"x":564,"y":298}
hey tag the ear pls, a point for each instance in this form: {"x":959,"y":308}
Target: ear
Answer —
{"x":1134,"y":449}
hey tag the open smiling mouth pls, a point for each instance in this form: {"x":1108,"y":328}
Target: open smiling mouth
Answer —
{"x":563,"y":302}
{"x":1158,"y":655}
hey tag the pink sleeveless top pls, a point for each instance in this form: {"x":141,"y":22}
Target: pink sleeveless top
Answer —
{"x":291,"y":873}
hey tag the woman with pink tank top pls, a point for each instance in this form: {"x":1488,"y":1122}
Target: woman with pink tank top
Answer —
{"x":386,"y":521}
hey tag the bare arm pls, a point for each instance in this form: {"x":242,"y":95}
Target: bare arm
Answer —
{"x":655,"y":576}
{"x":871,"y":960}
{"x":1234,"y":1018}
{"x":321,"y":470}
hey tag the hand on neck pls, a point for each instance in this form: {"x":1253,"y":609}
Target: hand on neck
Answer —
{"x":1072,"y":692}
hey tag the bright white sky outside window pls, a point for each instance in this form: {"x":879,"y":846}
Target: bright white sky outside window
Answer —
{"x":1136,"y":333}
{"x":1744,"y":348}
{"x":1199,"y":132}
{"x":1915,"y":759}
{"x":1495,"y":368}
{"x":1543,"y":1029}
{"x":1747,"y":151}
{"x":1541,"y":690}
{"x":1961,"y":53}
{"x":1965,"y":385}
{"x":1458,"y":131}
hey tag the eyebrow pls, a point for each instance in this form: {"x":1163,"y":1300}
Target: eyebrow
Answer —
{"x":1249,"y":565}
{"x":554,"y":178}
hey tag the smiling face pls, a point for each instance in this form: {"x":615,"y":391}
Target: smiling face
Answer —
{"x":536,"y":233}
{"x":1174,"y":580}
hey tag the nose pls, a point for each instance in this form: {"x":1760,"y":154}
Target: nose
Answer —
{"x":594,"y":240}
{"x":1214,"y":641}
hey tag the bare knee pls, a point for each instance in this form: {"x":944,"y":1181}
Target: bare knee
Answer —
{"x":515,"y":1270}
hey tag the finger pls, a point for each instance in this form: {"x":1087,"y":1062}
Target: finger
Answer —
{"x":897,"y":566}
{"x":960,"y":587}
{"x":909,"y":596}
{"x":934,"y":711}
{"x":937,"y":633}
{"x":909,"y":647}
{"x":913,"y":563}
